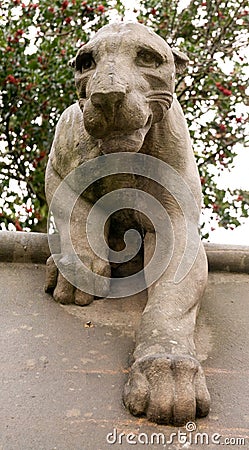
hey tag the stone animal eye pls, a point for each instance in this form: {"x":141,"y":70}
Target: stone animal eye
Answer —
{"x":84,"y":61}
{"x":147,"y":58}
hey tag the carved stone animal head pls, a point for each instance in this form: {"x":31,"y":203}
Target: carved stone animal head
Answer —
{"x":125,"y":81}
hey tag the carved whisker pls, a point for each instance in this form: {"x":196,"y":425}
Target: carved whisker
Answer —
{"x":159,"y":94}
{"x":164,"y":98}
{"x":165,"y":102}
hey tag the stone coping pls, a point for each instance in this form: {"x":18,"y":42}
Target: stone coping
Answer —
{"x":25,"y":247}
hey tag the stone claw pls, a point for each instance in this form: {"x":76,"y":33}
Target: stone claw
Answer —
{"x":62,"y":290}
{"x":168,"y":389}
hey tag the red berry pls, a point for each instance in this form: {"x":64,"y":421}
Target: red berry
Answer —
{"x":11,"y":79}
{"x":227,"y":92}
{"x":64,"y":4}
{"x":101,"y":8}
{"x":18,"y":225}
{"x":221,"y":15}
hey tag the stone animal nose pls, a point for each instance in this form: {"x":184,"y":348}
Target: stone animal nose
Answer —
{"x":109,"y":102}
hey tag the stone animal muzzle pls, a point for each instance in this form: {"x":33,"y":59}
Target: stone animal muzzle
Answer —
{"x":109,"y":102}
{"x":119,"y":119}
{"x":115,"y":110}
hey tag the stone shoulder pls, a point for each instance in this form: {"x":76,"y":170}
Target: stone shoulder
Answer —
{"x":66,"y":151}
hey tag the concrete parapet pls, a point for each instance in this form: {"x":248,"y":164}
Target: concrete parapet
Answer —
{"x":33,"y":248}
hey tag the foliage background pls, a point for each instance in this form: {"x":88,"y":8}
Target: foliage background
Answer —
{"x":36,"y":85}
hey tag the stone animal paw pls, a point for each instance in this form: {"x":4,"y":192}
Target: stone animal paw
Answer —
{"x":168,"y":389}
{"x":65,"y":292}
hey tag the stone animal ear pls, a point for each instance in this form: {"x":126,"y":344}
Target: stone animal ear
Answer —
{"x":72,"y":62}
{"x":181,"y":60}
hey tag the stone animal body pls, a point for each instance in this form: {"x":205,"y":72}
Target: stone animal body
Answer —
{"x":125,"y":81}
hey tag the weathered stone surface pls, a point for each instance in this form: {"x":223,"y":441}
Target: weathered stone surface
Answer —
{"x":62,"y":380}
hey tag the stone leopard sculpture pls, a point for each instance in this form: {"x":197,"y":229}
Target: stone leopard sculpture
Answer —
{"x":125,"y":83}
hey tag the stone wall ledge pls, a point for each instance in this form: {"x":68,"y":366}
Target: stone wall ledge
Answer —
{"x":21,"y":247}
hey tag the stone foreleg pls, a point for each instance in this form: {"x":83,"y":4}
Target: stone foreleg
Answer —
{"x":63,"y":290}
{"x":166,"y":382}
